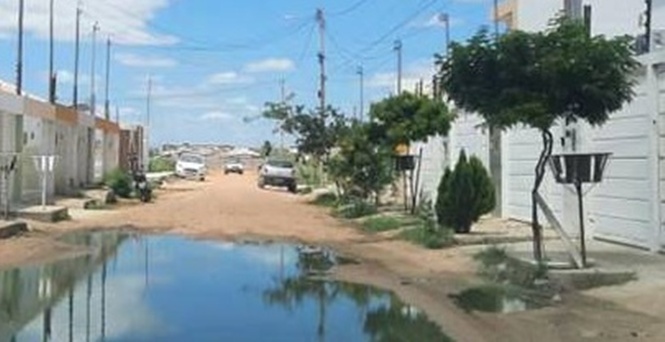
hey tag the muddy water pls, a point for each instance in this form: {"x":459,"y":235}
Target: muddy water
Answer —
{"x":140,"y":288}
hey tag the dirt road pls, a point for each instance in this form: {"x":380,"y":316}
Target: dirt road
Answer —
{"x":232,"y":207}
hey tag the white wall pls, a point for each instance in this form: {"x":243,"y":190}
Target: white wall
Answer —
{"x":39,"y":139}
{"x":469,"y":134}
{"x":434,"y":162}
{"x":609,"y":17}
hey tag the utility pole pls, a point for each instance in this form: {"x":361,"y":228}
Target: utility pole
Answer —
{"x":51,"y":73}
{"x":361,"y":74}
{"x":647,"y":24}
{"x":320,"y":18}
{"x":496,"y":19}
{"x":93,"y":94}
{"x":107,"y":110}
{"x":398,"y":49}
{"x":146,"y":132}
{"x":77,"y":44}
{"x":19,"y":63}
{"x":445,"y":18}
{"x":282,"y":87}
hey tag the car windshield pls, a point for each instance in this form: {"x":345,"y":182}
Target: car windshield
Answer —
{"x":191,"y":159}
{"x":281,"y":163}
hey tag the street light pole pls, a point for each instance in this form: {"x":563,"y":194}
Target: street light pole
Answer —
{"x":93,"y":103}
{"x":398,"y":49}
{"x":361,"y":74}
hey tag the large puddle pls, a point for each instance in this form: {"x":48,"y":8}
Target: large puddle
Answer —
{"x":135,"y":288}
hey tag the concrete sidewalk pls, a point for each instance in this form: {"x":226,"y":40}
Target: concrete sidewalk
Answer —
{"x":645,"y":294}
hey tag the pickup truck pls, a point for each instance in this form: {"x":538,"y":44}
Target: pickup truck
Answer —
{"x":279,"y":173}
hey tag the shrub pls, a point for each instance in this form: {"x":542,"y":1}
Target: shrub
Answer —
{"x":429,"y":233}
{"x":119,"y":182}
{"x":327,"y":199}
{"x":381,"y":224}
{"x":160,"y":164}
{"x":464,"y":195}
{"x":356,"y":208}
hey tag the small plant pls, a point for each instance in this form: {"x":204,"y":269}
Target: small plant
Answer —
{"x":464,"y":195}
{"x":381,"y":224}
{"x":327,"y":199}
{"x":428,"y":233}
{"x":356,"y":208}
{"x":119,"y":182}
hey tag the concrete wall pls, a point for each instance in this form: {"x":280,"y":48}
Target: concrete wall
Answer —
{"x":11,"y":123}
{"x":66,"y":173}
{"x":433,"y":164}
{"x":39,"y":139}
{"x":610,"y":17}
{"x":84,"y":150}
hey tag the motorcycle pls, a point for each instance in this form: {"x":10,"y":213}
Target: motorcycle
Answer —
{"x":142,"y":187}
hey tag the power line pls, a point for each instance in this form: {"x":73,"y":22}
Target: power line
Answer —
{"x":349,"y":9}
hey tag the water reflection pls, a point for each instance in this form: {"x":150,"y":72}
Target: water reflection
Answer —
{"x":131,"y":288}
{"x":29,"y":292}
{"x":384,"y":317}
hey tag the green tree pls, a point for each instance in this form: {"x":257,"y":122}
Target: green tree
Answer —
{"x":465,"y":194}
{"x":538,"y":79}
{"x":406,"y":118}
{"x":266,"y":149}
{"x":361,"y":166}
{"x":316,"y":131}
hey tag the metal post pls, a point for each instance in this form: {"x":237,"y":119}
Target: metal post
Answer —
{"x":19,"y":64}
{"x":578,"y":188}
{"x":649,"y":13}
{"x":107,"y":109}
{"x":361,"y":73}
{"x":398,"y":49}
{"x":51,"y":73}
{"x":322,"y":58}
{"x":93,"y":91}
{"x":76,"y":56}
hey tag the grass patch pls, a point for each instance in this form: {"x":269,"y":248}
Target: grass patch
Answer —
{"x":428,"y":238}
{"x":328,"y":200}
{"x":161,"y":164}
{"x":356,"y":208}
{"x":97,"y":205}
{"x":381,"y":224}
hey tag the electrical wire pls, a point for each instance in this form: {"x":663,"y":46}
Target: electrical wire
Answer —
{"x":349,"y":9}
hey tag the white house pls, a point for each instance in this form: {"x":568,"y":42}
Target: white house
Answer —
{"x":628,"y":206}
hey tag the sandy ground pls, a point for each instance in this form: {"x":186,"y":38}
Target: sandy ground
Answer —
{"x":233,"y":208}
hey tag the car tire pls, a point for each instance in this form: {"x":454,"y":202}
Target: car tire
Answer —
{"x":293,"y":188}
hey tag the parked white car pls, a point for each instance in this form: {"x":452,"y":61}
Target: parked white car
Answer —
{"x":191,"y":166}
{"x":234,"y":166}
{"x":279,"y":173}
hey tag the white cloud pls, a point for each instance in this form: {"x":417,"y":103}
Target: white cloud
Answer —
{"x":437,"y":20}
{"x":270,"y":65}
{"x":126,"y":21}
{"x":133,"y":60}
{"x":215,"y":116}
{"x":228,"y":77}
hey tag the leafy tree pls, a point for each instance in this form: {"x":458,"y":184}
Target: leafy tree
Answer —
{"x":266,"y":149}
{"x":361,"y":166}
{"x":316,"y":132}
{"x":465,"y":194}
{"x":537,"y":79}
{"x":406,"y":118}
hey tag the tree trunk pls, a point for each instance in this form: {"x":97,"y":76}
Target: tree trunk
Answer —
{"x":548,"y":142}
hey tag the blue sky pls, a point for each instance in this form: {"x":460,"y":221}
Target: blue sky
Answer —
{"x":214,"y":63}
